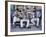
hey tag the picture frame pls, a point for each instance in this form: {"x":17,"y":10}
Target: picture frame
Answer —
{"x":25,"y":25}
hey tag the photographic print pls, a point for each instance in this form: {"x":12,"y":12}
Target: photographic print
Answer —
{"x":25,"y":18}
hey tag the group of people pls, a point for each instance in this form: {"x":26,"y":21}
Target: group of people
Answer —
{"x":27,"y":12}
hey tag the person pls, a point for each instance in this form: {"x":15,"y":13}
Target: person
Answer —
{"x":38,"y":15}
{"x":14,"y":18}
